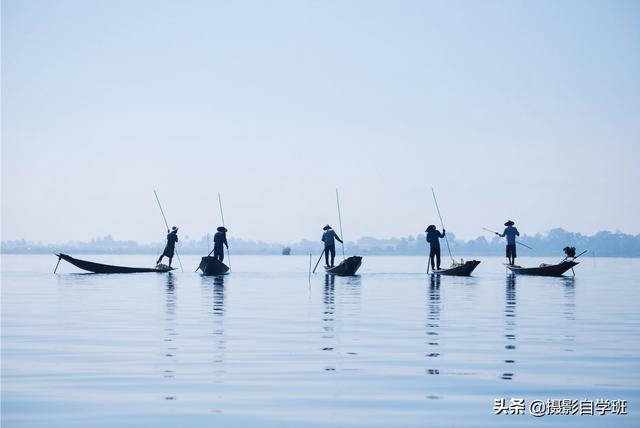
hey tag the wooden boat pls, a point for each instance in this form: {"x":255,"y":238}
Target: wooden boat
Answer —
{"x":463,"y":269}
{"x":211,"y":266}
{"x":544,"y":269}
{"x":102,"y":268}
{"x":348,"y":267}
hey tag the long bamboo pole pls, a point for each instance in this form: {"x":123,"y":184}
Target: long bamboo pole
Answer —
{"x":223,"y":225}
{"x":340,"y":220}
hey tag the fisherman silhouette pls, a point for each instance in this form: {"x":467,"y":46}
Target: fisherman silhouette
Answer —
{"x":328,"y":237}
{"x":170,"y":248}
{"x":433,"y":238}
{"x":510,"y":232}
{"x":220,"y":239}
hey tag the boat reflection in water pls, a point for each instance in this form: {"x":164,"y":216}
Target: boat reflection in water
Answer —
{"x":214,"y":288}
{"x":350,"y":296}
{"x":341,"y":346}
{"x":350,"y":314}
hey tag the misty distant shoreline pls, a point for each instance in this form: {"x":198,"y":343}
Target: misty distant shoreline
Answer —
{"x":601,"y":244}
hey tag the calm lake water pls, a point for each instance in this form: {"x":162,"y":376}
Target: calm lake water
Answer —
{"x":266,"y":346}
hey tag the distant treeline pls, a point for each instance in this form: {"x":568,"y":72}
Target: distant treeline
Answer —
{"x":604,"y":243}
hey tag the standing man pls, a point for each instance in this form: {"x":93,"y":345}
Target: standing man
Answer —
{"x":220,"y":239}
{"x":510,"y":232}
{"x":170,"y":248}
{"x":329,"y":237}
{"x":433,"y":238}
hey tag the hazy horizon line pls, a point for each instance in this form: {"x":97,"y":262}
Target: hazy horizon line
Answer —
{"x":187,"y":238}
{"x":603,"y":243}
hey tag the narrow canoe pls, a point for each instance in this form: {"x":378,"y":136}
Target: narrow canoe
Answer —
{"x":348,"y":267}
{"x":211,"y":266}
{"x":458,"y":270}
{"x":102,"y":268}
{"x":544,"y":270}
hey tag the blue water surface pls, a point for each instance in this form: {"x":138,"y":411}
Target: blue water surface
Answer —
{"x":271,"y":346}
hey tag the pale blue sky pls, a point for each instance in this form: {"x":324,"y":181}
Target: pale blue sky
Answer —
{"x":527,"y":110}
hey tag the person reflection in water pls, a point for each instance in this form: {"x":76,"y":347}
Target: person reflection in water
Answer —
{"x":220,"y":239}
{"x":510,"y":326}
{"x":329,"y":237}
{"x":510,"y":232}
{"x":218,"y":295}
{"x":170,"y":248}
{"x":433,"y":238}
